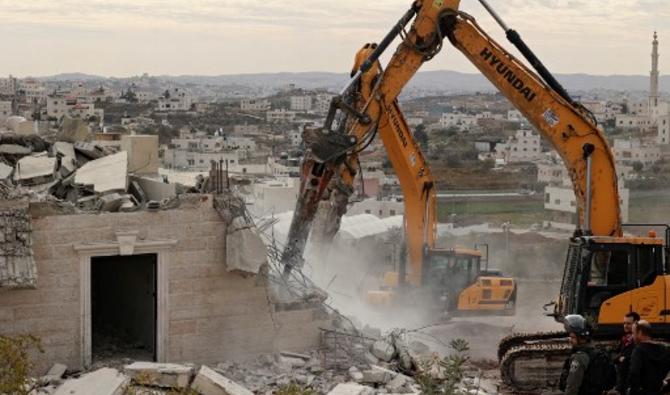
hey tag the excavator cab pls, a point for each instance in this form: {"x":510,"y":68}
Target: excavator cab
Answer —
{"x":606,"y":277}
{"x":456,"y":278}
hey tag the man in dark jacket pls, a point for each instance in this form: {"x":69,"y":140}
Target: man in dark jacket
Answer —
{"x":648,"y":363}
{"x":624,"y":351}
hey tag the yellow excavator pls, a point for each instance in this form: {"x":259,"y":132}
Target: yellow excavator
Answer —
{"x":607,"y":273}
{"x":451,"y":280}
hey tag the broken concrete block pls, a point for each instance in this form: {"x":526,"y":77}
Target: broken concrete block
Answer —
{"x":291,"y":362}
{"x":245,"y":250}
{"x":111,"y":202}
{"x":378,"y":375}
{"x":398,"y":383}
{"x":35,"y":169}
{"x":383,"y":349}
{"x":166,"y":375}
{"x":105,"y":174}
{"x":88,"y":150}
{"x":355,"y":374}
{"x":208,"y":382}
{"x":351,"y":389}
{"x":14,"y":149}
{"x":5,"y":171}
{"x":156,"y":190}
{"x":54,"y":374}
{"x":63,"y":148}
{"x":73,"y":129}
{"x":105,"y":381}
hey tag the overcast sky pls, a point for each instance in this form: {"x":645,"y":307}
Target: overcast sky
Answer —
{"x":209,"y":37}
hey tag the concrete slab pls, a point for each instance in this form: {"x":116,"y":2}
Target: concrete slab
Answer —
{"x":166,"y":375}
{"x":64,"y":148}
{"x":35,"y":166}
{"x":105,"y":381}
{"x":156,"y":190}
{"x":54,"y":374}
{"x":351,"y":389}
{"x":106,"y":174}
{"x":5,"y":171}
{"x":245,"y":250}
{"x":14,"y":149}
{"x":208,"y":382}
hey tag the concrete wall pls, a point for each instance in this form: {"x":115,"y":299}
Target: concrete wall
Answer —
{"x":213,"y":315}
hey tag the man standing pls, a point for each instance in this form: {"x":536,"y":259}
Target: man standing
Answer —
{"x":624,"y":351}
{"x":649,"y":362}
{"x":574,"y":369}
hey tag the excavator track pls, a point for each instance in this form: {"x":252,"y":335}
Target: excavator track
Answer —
{"x":534,"y":361}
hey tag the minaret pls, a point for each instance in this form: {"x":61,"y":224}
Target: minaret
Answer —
{"x":653,"y":88}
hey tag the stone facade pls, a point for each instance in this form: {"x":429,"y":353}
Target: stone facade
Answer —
{"x":210,"y":314}
{"x":17,"y":266}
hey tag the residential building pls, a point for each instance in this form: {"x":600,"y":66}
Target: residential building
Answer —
{"x":246,"y":129}
{"x":379,"y":208}
{"x":551,"y":173}
{"x":524,"y":146}
{"x":515,"y":116}
{"x":34,"y":90}
{"x":280,"y":116}
{"x":630,"y":151}
{"x":321,"y":103}
{"x":561,"y":201}
{"x":632,"y":121}
{"x":458,"y":120}
{"x":301,"y":103}
{"x":175,"y":99}
{"x":182,"y":159}
{"x":5,"y":111}
{"x":255,"y":105}
{"x":60,"y":105}
{"x":8,"y":86}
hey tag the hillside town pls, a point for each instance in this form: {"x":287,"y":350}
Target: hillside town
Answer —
{"x":157,"y":234}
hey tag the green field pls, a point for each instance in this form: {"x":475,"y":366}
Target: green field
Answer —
{"x":519,"y":212}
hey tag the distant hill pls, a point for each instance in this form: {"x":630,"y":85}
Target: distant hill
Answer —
{"x":451,"y":81}
{"x":447,"y":81}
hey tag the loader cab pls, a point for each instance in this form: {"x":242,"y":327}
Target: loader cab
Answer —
{"x":606,"y":277}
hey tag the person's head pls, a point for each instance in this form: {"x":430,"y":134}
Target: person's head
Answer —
{"x":578,"y":329}
{"x":628,"y":321}
{"x":642,"y":331}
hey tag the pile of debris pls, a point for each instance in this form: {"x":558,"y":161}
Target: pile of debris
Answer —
{"x":84,"y":174}
{"x":349,"y":362}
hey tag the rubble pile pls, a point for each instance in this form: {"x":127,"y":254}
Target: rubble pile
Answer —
{"x":391,"y":364}
{"x":83,"y":174}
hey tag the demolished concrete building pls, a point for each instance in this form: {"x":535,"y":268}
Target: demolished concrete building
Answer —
{"x":151,"y":284}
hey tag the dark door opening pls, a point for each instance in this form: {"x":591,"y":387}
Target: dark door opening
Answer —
{"x":123,"y":307}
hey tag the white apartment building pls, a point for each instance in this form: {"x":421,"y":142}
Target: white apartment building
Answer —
{"x":280,"y":116}
{"x":630,"y":151}
{"x":196,"y":160}
{"x":34,"y":90}
{"x":5,"y":110}
{"x":631,"y":121}
{"x":145,"y":97}
{"x":457,"y":120}
{"x":8,"y":86}
{"x":551,"y":173}
{"x":322,"y":103}
{"x":59,"y":106}
{"x":246,"y":129}
{"x":301,"y":103}
{"x":379,"y":208}
{"x":255,"y":105}
{"x":489,"y":115}
{"x":174,"y":99}
{"x":524,"y":146}
{"x":562,"y":199}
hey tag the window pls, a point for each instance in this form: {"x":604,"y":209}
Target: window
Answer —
{"x":608,"y":268}
{"x":391,"y":212}
{"x":547,"y":198}
{"x":557,"y":201}
{"x":367,"y":212}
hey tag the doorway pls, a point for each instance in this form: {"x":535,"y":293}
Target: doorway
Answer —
{"x":124,"y":307}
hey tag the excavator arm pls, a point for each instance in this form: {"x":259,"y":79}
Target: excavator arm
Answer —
{"x":334,"y":151}
{"x":569,"y":128}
